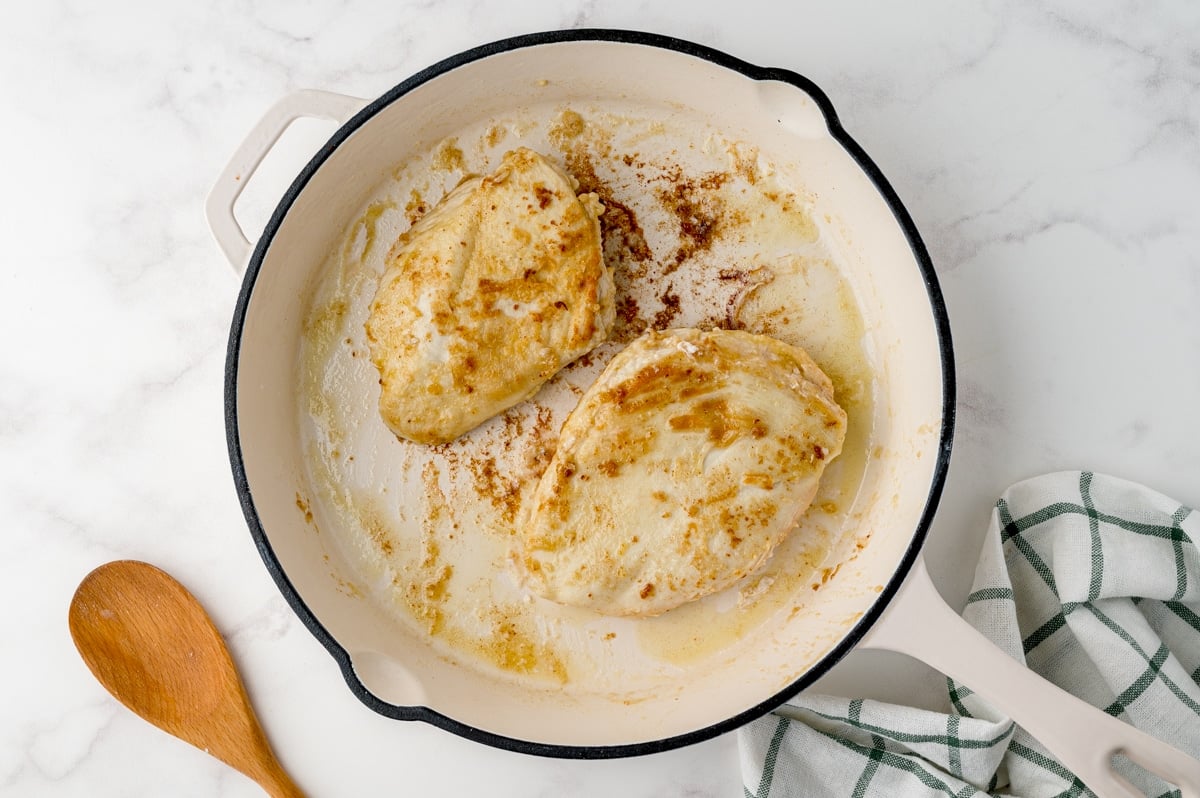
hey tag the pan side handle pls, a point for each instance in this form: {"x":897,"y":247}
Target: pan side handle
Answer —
{"x":920,"y":624}
{"x":247,"y":158}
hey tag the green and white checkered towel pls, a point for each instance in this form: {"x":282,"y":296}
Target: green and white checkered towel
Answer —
{"x":1093,"y":582}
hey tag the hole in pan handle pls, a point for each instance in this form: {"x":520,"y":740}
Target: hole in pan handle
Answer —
{"x":920,"y":624}
{"x":247,"y":158}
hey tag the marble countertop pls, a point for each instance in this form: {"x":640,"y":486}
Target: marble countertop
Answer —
{"x":1050,"y":157}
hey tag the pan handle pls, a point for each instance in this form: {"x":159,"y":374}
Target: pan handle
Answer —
{"x":248,"y":157}
{"x":920,"y":624}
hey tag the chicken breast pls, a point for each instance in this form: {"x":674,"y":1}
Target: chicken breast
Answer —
{"x":681,"y":469}
{"x":485,"y":298}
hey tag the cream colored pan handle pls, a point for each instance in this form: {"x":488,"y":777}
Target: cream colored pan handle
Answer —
{"x":920,"y":624}
{"x":219,"y":208}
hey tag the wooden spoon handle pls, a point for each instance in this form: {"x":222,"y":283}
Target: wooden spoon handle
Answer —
{"x":265,"y":769}
{"x":278,"y":784}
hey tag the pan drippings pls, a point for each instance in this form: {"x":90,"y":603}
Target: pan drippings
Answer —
{"x":700,"y":231}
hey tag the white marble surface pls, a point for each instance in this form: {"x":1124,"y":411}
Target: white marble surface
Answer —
{"x":1051,"y":159}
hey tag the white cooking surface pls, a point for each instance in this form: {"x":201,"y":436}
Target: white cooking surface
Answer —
{"x":427,"y":532}
{"x":1046,"y":158}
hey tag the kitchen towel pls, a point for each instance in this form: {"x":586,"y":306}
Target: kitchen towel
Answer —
{"x":1091,"y":581}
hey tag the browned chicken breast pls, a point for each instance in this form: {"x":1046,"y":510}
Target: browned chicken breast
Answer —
{"x":485,"y":298}
{"x":682,"y":468}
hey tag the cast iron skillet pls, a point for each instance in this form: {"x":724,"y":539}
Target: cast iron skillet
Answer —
{"x":264,"y":486}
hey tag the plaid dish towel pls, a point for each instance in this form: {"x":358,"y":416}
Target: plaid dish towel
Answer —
{"x":1093,"y":582}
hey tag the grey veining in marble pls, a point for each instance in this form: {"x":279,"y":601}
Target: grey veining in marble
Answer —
{"x":1049,"y":155}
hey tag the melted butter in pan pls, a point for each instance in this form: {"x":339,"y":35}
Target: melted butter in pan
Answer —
{"x":704,"y":236}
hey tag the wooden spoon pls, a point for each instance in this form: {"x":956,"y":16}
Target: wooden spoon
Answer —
{"x":153,"y":646}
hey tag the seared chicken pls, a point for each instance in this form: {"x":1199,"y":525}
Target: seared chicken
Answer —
{"x":485,"y":298}
{"x":681,"y":469}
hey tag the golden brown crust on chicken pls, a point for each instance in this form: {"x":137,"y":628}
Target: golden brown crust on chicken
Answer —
{"x":683,"y":467}
{"x":485,"y":298}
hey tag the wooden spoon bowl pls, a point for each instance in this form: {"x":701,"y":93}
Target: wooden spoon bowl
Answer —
{"x":152,"y":645}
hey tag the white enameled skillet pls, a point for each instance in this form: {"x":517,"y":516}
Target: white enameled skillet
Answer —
{"x":399,"y":673}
